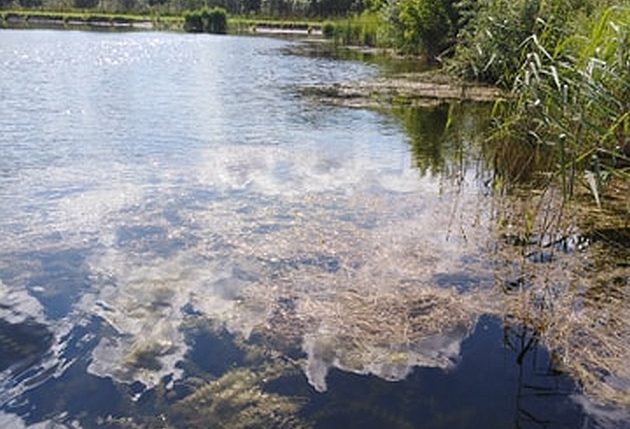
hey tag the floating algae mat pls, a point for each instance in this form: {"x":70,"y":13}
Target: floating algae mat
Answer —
{"x":225,"y":253}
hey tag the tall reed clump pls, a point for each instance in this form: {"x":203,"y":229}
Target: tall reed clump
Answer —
{"x":360,"y":30}
{"x":571,"y":99}
{"x":491,"y":34}
{"x":206,"y":20}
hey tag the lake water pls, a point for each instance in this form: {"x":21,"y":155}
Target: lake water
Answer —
{"x":186,"y":242}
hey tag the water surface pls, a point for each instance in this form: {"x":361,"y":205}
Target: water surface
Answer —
{"x":187,"y":243}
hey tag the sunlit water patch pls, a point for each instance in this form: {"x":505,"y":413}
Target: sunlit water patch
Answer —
{"x":185,"y":241}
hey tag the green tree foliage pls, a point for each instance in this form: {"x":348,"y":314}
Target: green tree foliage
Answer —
{"x":251,"y":6}
{"x":30,"y":3}
{"x":410,"y":26}
{"x":427,"y":25}
{"x":233,"y":6}
{"x":266,"y":8}
{"x":374,"y":5}
{"x":416,"y":26}
{"x":332,"y":7}
{"x":85,"y":4}
{"x":128,"y":5}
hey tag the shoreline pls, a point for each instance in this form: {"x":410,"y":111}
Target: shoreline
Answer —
{"x":16,"y":18}
{"x":26,"y":19}
{"x":37,"y":22}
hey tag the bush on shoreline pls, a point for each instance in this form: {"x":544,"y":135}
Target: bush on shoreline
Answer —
{"x":206,"y":20}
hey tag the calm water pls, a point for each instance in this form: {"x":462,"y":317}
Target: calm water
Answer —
{"x":184,"y":242}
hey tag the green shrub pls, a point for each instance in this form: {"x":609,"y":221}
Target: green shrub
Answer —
{"x":427,"y":26}
{"x":328,"y":30}
{"x":215,"y":20}
{"x":193,"y":22}
{"x":206,"y":20}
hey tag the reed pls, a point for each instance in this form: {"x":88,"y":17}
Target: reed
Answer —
{"x":366,"y":29}
{"x":571,"y":100}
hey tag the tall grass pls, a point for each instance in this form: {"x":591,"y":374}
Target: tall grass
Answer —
{"x":365,"y":29}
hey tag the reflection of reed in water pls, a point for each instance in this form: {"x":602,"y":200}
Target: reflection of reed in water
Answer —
{"x":538,"y":381}
{"x":572,"y":288}
{"x":586,"y":327}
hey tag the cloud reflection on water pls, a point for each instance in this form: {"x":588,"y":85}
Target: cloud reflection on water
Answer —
{"x":301,"y":231}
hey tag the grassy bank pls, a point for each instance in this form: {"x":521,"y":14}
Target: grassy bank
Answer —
{"x":236,"y":24}
{"x":245,"y":23}
{"x":29,"y":18}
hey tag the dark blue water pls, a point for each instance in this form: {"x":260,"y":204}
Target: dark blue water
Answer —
{"x":185,"y":242}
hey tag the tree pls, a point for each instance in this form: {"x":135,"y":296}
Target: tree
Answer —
{"x":424,"y":25}
{"x":157,"y":2}
{"x":251,"y":6}
{"x":30,"y":3}
{"x":127,"y":5}
{"x":85,"y":4}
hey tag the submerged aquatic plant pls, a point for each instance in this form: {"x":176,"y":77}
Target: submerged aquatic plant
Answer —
{"x":238,"y":400}
{"x":387,"y":334}
{"x":368,"y":330}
